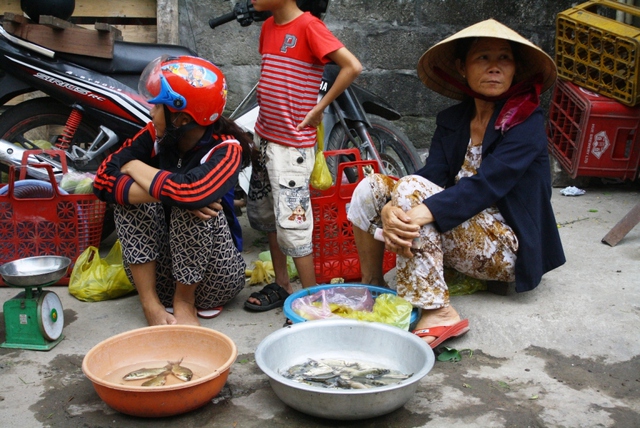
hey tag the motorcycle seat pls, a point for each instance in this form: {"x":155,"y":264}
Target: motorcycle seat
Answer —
{"x":128,"y":57}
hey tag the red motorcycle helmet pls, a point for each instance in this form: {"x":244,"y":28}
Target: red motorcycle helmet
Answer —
{"x":185,"y":84}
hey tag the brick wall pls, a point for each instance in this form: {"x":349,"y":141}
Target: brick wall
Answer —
{"x":388,"y":36}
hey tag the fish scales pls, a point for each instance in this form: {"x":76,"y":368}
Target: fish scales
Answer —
{"x":338,"y":373}
{"x":144,"y":373}
{"x":181,"y":372}
{"x":159,"y":380}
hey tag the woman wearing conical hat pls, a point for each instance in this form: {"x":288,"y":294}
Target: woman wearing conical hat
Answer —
{"x":481,"y":204}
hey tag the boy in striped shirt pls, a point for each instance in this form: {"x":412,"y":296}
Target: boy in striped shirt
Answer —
{"x":294,"y":46}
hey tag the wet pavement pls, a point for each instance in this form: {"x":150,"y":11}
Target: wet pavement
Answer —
{"x":564,"y":355}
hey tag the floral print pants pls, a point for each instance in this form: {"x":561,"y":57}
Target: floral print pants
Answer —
{"x":483,"y":247}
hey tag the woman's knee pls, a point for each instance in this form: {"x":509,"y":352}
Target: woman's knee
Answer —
{"x":415,"y":186}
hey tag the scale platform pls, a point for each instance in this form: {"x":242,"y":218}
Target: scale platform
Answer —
{"x":34,"y":318}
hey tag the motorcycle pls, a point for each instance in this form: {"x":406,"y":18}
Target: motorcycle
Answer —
{"x":91,"y":105}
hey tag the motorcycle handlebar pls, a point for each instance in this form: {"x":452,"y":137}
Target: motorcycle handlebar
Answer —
{"x":227,"y":17}
{"x":243,"y":12}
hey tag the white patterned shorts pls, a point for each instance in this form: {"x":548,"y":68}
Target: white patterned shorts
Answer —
{"x":483,"y":247}
{"x":279,"y":199}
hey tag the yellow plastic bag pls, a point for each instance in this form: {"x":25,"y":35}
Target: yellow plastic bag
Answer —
{"x":262,"y":273}
{"x":320,"y":176}
{"x":94,"y":279}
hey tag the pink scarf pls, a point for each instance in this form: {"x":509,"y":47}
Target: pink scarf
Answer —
{"x":521,"y":99}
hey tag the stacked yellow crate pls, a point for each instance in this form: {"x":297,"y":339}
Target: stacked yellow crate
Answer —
{"x":594,"y":122}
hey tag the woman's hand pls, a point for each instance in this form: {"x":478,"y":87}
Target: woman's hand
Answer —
{"x":142,"y":174}
{"x":210,"y":211}
{"x":420,"y":215}
{"x":398,"y":230}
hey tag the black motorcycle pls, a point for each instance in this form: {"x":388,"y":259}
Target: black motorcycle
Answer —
{"x":91,"y":105}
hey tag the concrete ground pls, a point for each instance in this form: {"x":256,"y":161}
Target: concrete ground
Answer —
{"x":564,"y":355}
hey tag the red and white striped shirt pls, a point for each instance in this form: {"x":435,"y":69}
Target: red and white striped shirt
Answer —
{"x":293,"y":58}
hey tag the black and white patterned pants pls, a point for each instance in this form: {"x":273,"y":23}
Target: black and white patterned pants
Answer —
{"x":188,"y":249}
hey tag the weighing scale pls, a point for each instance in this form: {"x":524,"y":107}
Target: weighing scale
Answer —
{"x":34,"y":317}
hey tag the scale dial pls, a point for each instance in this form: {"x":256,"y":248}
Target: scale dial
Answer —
{"x":50,"y":315}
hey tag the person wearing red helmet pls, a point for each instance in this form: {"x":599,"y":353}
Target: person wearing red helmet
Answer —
{"x":170,"y":184}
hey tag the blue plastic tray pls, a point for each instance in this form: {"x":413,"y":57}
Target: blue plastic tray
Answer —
{"x":375,"y":292}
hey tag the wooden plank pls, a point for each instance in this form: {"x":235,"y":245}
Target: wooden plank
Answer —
{"x":12,"y":6}
{"x":134,"y":33}
{"x":167,"y":19}
{"x":55,"y":23}
{"x":15,"y":27}
{"x":111,"y":8}
{"x":123,"y":8}
{"x":104,"y":27}
{"x":139,"y":33}
{"x":16,"y":18}
{"x":623,"y":227}
{"x":13,"y":22}
{"x":75,"y":40}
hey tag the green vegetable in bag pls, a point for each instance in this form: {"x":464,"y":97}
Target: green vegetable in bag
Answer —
{"x":265,"y":256}
{"x":77,"y":183}
{"x":460,"y":284}
{"x":388,"y":309}
{"x":94,"y":279}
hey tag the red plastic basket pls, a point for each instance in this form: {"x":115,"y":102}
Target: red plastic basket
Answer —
{"x":334,"y":250}
{"x":592,"y":135}
{"x":49,"y":223}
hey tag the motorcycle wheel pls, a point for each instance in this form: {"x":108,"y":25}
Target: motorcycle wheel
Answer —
{"x":33,"y":122}
{"x":399,"y":156}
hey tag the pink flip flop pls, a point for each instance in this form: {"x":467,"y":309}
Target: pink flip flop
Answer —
{"x":204,"y":313}
{"x":443,"y":332}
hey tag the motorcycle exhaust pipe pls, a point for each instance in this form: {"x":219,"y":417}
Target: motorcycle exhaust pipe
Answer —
{"x":12,"y":155}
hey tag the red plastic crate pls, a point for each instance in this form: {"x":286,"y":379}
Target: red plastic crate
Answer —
{"x":49,"y":223}
{"x":592,"y":135}
{"x":334,"y":249}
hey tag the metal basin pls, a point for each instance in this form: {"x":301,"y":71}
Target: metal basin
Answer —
{"x":350,"y":340}
{"x":35,"y":271}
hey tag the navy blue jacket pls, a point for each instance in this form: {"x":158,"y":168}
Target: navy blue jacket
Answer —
{"x":514,"y":176}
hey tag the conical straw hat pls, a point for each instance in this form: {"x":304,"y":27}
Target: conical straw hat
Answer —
{"x":533,"y":59}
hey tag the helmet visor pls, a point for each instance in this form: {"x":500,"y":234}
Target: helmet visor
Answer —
{"x":155,"y":87}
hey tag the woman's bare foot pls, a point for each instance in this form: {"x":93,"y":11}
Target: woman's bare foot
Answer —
{"x":184,"y":304}
{"x":185,"y":313}
{"x":157,"y":315}
{"x":437,"y":317}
